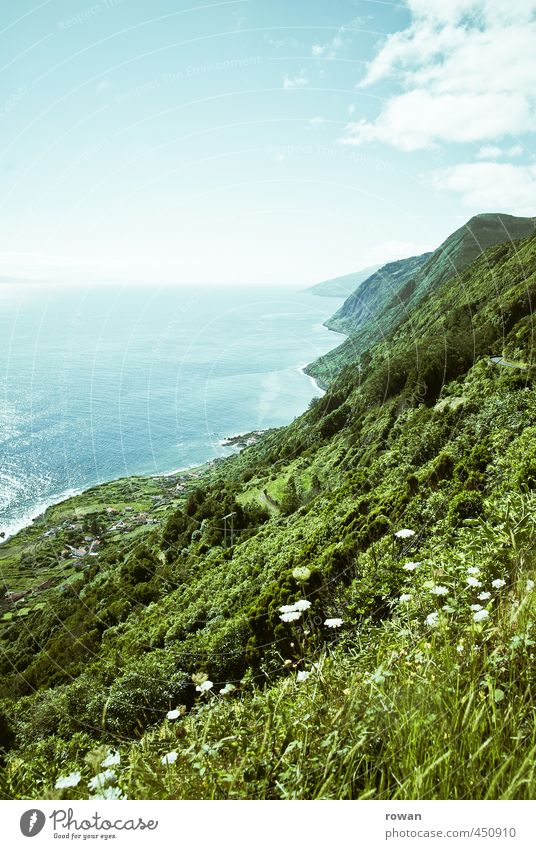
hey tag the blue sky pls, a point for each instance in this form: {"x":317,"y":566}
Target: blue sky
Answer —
{"x":256,"y":141}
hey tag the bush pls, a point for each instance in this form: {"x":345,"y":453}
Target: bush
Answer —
{"x":7,"y":736}
{"x":143,"y":694}
{"x":465,"y":505}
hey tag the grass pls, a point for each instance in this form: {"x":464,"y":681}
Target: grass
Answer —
{"x":426,"y":691}
{"x":397,"y":710}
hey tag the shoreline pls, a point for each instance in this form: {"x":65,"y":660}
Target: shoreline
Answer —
{"x":233,"y":442}
{"x":313,"y":380}
{"x":38,"y":512}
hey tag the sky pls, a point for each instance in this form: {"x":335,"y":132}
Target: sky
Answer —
{"x":256,"y":141}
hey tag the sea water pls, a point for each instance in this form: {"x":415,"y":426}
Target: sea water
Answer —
{"x":101,"y":382}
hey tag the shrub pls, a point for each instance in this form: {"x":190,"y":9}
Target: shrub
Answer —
{"x":141,"y":696}
{"x":465,"y":505}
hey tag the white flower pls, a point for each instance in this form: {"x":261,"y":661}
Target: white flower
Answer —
{"x":98,"y":781}
{"x":472,"y":582}
{"x":473,"y":570}
{"x":173,"y":714}
{"x":439,"y":590}
{"x":405,"y":597}
{"x":110,"y":793}
{"x":529,"y":586}
{"x":302,"y":676}
{"x":333,"y":623}
{"x":204,"y":687}
{"x":459,"y":648}
{"x":432,"y":619}
{"x":301,"y":573}
{"x":484,"y":596}
{"x":229,"y":688}
{"x":404,"y":533}
{"x":170,"y":758}
{"x":113,"y":759}
{"x":287,"y":608}
{"x":476,"y":607}
{"x":413,"y":564}
{"x":498,"y":583}
{"x":480,"y":615}
{"x":291,"y":616}
{"x":302,"y":604}
{"x":70,"y":780}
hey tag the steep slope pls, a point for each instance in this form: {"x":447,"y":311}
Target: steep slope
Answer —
{"x":369,"y":320}
{"x":375,"y":294}
{"x":342,"y":286}
{"x":415,"y":649}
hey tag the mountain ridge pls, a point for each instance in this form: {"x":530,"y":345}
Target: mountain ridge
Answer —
{"x":377,"y":584}
{"x":385,"y":309}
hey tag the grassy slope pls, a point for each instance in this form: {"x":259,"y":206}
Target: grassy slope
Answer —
{"x":429,"y":435}
{"x":372,"y":313}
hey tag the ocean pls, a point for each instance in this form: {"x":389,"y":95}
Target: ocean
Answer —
{"x":101,"y":382}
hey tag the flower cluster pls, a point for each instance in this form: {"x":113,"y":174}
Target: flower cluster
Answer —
{"x":293,"y":612}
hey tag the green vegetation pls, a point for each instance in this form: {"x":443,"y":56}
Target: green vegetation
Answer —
{"x":399,"y":513}
{"x":389,"y":296}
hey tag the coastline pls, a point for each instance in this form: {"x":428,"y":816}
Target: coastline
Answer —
{"x":236,"y":442}
{"x":314,"y":381}
{"x":32,"y":516}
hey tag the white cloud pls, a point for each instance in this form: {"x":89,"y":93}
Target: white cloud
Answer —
{"x":317,"y":122}
{"x":490,"y":151}
{"x":468,"y":69}
{"x":492,"y":186}
{"x":340,"y":40}
{"x":299,"y":81}
{"x":391,"y":250}
{"x":331,"y":48}
{"x":515,"y":150}
{"x":420,"y":119}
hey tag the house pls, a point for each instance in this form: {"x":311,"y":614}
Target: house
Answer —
{"x":77,"y":552}
{"x":13,"y":596}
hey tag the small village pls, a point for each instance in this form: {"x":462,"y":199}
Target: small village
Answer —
{"x":56,"y":552}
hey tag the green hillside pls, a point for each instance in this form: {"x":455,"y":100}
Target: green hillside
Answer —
{"x":366,"y":629}
{"x":375,"y":294}
{"x":384,"y":301}
{"x":342,"y":286}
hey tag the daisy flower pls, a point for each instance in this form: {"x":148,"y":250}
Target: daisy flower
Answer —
{"x":480,"y":615}
{"x":404,"y":533}
{"x":302,"y":676}
{"x":290,"y":616}
{"x":473,"y":582}
{"x":112,"y":759}
{"x":70,"y":780}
